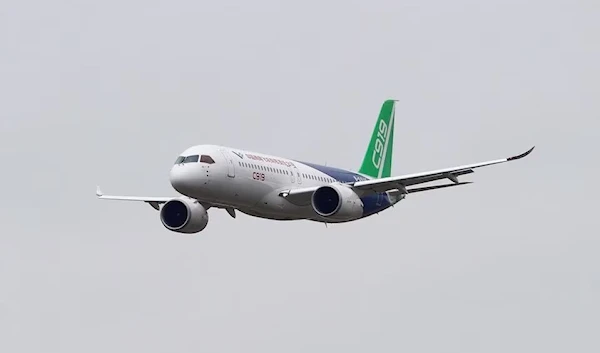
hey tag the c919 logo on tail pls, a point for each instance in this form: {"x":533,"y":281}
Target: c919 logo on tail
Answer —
{"x":379,"y":143}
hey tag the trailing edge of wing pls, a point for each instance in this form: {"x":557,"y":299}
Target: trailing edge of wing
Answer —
{"x":435,"y":187}
{"x":153,"y":201}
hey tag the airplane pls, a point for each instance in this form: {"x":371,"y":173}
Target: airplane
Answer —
{"x":278,"y":188}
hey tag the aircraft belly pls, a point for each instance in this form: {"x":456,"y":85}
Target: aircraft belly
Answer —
{"x":273,"y":206}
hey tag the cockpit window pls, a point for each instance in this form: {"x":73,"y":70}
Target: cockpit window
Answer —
{"x":206,"y":159}
{"x":191,"y":159}
{"x":194,"y":159}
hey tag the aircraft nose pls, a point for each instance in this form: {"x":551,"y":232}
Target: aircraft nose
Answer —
{"x":182,"y":179}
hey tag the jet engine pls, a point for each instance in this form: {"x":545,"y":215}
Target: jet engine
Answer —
{"x":337,"y":202}
{"x":184,"y":216}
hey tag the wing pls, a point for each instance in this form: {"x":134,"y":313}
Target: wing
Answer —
{"x":153,"y":201}
{"x":402,"y":182}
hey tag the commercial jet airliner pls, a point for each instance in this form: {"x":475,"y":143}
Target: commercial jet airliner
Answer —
{"x":278,"y":188}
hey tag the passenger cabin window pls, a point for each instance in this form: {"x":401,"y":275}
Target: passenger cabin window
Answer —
{"x":206,"y":159}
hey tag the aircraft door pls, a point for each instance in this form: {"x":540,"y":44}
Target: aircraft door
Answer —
{"x":230,"y":163}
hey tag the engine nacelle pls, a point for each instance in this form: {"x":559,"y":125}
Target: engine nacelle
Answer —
{"x":337,"y":202}
{"x":184,"y":216}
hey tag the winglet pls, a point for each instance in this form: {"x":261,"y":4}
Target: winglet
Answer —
{"x":98,"y":191}
{"x":521,"y":155}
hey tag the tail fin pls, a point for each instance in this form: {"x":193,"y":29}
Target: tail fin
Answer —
{"x":378,"y":159}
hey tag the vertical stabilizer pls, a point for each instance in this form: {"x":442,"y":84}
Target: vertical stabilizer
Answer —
{"x":378,"y":159}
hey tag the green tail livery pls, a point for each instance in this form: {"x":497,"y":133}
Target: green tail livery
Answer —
{"x":378,"y":159}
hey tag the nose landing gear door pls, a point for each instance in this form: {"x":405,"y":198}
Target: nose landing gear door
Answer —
{"x":230,"y":163}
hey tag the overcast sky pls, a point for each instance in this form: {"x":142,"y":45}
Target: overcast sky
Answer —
{"x":110,"y":92}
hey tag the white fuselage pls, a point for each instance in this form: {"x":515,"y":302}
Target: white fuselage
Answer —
{"x":252,"y":182}
{"x":278,"y":188}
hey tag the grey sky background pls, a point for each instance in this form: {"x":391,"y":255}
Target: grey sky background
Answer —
{"x":111,"y":92}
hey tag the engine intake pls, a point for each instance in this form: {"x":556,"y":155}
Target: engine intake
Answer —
{"x":184,"y":216}
{"x":337,"y":202}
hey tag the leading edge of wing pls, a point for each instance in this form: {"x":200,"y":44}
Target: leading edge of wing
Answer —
{"x":299,"y":196}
